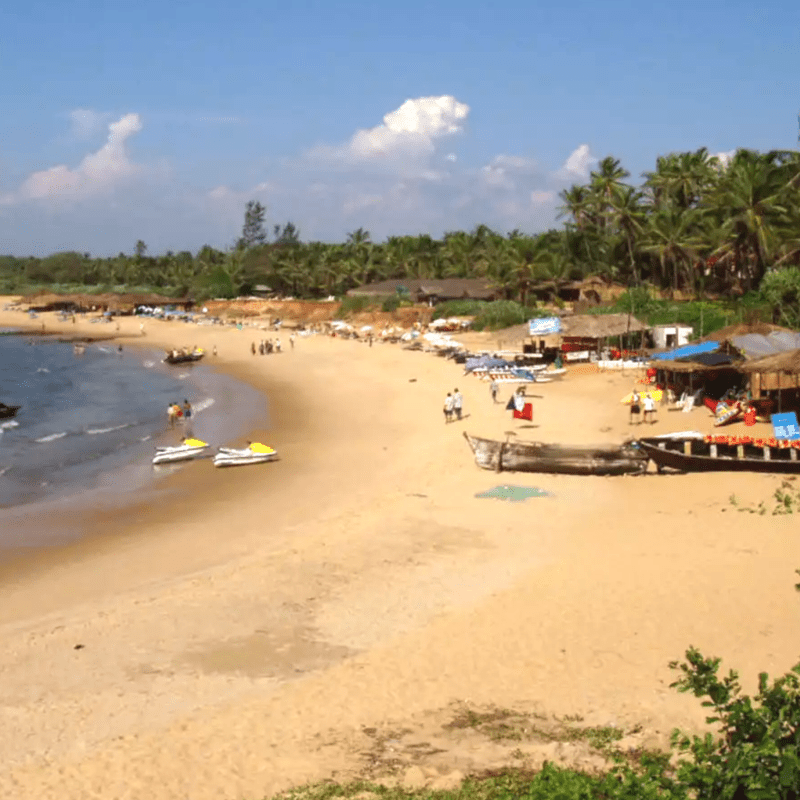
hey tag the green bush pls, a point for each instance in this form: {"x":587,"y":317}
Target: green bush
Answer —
{"x":391,"y":303}
{"x":459,"y":308}
{"x":358,"y":303}
{"x":502,"y":314}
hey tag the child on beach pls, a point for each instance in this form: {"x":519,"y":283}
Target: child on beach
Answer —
{"x":448,"y":408}
{"x":635,"y":409}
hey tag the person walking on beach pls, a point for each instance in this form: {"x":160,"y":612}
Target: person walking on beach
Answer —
{"x":448,"y":408}
{"x":291,"y":341}
{"x":277,"y":345}
{"x":187,"y":409}
{"x":458,"y":402}
{"x":214,"y":350}
{"x":649,"y":408}
{"x":493,"y":388}
{"x":635,"y":409}
{"x":171,"y":415}
{"x":253,"y":348}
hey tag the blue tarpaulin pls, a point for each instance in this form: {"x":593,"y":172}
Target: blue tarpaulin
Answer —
{"x":488,"y":362}
{"x":687,"y":351}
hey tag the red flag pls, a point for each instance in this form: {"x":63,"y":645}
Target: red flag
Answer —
{"x":526,"y":413}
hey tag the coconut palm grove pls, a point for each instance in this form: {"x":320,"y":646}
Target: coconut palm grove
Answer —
{"x":700,"y":225}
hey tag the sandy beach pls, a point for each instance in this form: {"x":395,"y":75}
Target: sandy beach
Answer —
{"x":324,"y":615}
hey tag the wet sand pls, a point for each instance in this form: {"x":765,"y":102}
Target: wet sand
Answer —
{"x":262,"y":626}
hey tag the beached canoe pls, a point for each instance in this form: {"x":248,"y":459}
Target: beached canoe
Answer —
{"x":554,"y":458}
{"x":695,"y":452}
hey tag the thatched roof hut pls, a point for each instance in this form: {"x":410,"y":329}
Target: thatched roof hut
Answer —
{"x":774,"y":372}
{"x":601,"y":326}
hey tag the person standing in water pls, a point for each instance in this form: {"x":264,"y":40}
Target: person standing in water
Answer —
{"x":171,"y":415}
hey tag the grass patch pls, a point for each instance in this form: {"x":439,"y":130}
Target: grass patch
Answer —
{"x":359,"y":303}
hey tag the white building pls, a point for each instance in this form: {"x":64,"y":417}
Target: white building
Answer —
{"x":675,"y":334}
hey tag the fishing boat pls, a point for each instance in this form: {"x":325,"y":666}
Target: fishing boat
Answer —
{"x":255,"y":453}
{"x":691,"y":451}
{"x":183,"y":356}
{"x":6,"y":412}
{"x":186,"y":450}
{"x":554,"y":458}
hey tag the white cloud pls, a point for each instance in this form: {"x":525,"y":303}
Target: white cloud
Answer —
{"x":724,"y":157}
{"x":578,"y":164}
{"x":410,"y":131}
{"x":98,"y":172}
{"x":503,"y":171}
{"x":87,"y":123}
{"x":540,"y":198}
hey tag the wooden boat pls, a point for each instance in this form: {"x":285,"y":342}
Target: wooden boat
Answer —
{"x":182,"y":356}
{"x":693,"y":452}
{"x":553,"y":458}
{"x":6,"y":412}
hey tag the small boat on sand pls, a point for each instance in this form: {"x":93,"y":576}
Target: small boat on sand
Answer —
{"x":692,"y":451}
{"x":255,"y":453}
{"x":6,"y":412}
{"x":554,"y":458}
{"x":185,"y":451}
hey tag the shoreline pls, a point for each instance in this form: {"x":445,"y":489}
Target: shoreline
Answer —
{"x":74,"y":511}
{"x":241,"y":640}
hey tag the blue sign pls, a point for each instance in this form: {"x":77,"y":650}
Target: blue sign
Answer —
{"x":544,"y":326}
{"x":785,"y":426}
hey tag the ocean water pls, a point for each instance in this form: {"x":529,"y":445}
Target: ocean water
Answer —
{"x":91,"y":422}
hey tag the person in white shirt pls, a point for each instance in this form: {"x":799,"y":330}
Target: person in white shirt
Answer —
{"x":448,"y":407}
{"x":458,"y":402}
{"x":649,"y":408}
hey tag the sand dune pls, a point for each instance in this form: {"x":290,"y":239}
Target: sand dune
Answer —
{"x":241,"y":635}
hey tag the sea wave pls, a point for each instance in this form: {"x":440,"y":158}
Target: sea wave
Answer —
{"x":43,"y":369}
{"x":95,"y":431}
{"x":12,"y":423}
{"x":52,"y":437}
{"x":148,"y":364}
{"x":202,"y":405}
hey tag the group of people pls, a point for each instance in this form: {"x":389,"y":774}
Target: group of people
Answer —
{"x":453,"y":406}
{"x":177,"y":413}
{"x":267,"y":346}
{"x":637,"y":404}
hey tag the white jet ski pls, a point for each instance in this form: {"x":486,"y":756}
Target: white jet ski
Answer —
{"x":188,"y":449}
{"x":255,"y":453}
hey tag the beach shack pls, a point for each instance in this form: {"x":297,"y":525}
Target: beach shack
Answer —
{"x":585,"y":336}
{"x":775,"y":380}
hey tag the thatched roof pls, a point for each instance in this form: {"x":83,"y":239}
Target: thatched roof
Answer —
{"x":601,"y":326}
{"x":742,"y":329}
{"x":692,"y":366}
{"x":788,"y":362}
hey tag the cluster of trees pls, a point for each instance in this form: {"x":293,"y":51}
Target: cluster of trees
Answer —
{"x":695,"y":224}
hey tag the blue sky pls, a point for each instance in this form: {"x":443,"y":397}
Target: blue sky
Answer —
{"x":158,"y":121}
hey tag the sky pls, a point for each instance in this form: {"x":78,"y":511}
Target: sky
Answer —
{"x":159,"y":121}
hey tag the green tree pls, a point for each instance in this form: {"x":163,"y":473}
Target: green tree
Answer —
{"x":253,"y":230}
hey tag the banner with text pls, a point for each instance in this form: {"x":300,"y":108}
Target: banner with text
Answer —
{"x":544,"y":326}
